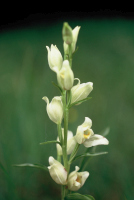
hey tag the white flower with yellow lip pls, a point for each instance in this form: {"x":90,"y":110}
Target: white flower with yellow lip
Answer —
{"x":84,"y":131}
{"x":54,"y":109}
{"x":86,"y":135}
{"x":57,"y":171}
{"x":81,"y":91}
{"x":65,"y":76}
{"x":71,"y":142}
{"x":54,"y":58}
{"x":77,"y":179}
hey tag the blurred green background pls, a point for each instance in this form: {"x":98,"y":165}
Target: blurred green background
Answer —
{"x":106,"y":58}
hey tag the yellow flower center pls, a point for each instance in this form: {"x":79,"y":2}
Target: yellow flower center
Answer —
{"x":78,"y":179}
{"x":87,"y":133}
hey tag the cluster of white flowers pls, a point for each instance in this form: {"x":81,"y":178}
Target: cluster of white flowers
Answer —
{"x":84,"y":134}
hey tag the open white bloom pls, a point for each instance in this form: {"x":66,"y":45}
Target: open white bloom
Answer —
{"x":86,"y":135}
{"x":54,"y":109}
{"x":65,"y":76}
{"x":54,"y":58}
{"x":57,"y":171}
{"x":75,"y":33}
{"x":84,"y":131}
{"x":77,"y":179}
{"x":81,"y":91}
{"x":71,"y":142}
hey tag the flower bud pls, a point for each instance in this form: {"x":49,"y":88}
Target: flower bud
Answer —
{"x":77,"y":179}
{"x":75,"y":37}
{"x":83,"y":131}
{"x":54,"y":58}
{"x":67,"y":33}
{"x":54,"y":109}
{"x":81,"y":91}
{"x":65,"y":76}
{"x":71,"y":142}
{"x":57,"y":171}
{"x":75,"y":33}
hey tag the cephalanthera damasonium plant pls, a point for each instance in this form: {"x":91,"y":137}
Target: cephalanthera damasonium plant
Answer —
{"x":67,"y":144}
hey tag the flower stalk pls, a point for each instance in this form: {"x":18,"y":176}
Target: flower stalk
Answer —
{"x":65,"y":115}
{"x":58,"y":112}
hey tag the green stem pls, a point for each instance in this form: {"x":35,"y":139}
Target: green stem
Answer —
{"x":60,"y":139}
{"x":70,"y":55}
{"x":64,"y":146}
{"x":62,"y":192}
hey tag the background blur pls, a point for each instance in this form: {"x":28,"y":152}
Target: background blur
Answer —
{"x":106,"y":58}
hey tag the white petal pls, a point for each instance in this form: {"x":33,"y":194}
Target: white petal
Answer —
{"x":59,"y":149}
{"x":51,"y":160}
{"x":80,"y":135}
{"x":77,"y":168}
{"x":70,"y":145}
{"x":96,"y":140}
{"x":46,"y":100}
{"x":87,"y":123}
{"x":69,"y":134}
{"x":84,"y":175}
{"x":57,"y":171}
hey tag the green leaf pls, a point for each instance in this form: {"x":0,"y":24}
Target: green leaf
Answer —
{"x":89,"y":154}
{"x":49,"y":142}
{"x":57,"y":86}
{"x":32,"y":165}
{"x":78,"y":196}
{"x":78,"y":102}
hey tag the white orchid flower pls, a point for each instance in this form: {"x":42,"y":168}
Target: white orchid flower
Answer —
{"x":77,"y":179}
{"x":54,"y":58}
{"x":86,"y":135}
{"x":54,"y":109}
{"x":81,"y":91}
{"x":65,"y":76}
{"x":57,"y":171}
